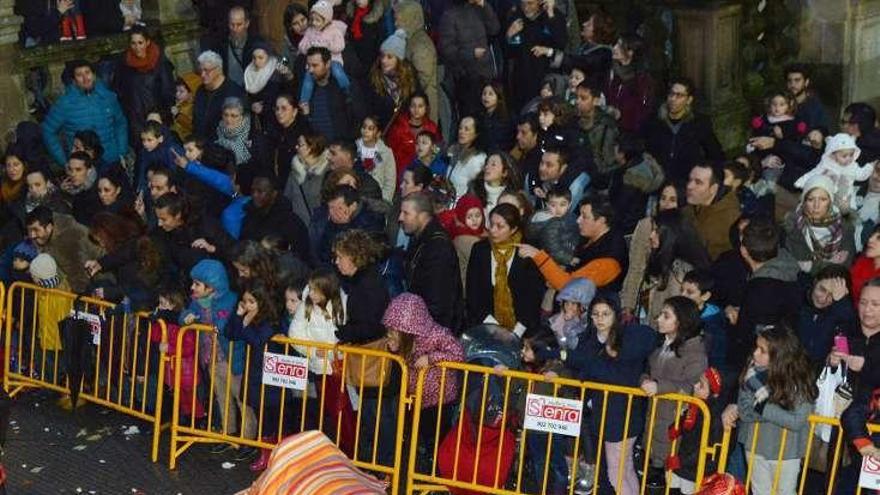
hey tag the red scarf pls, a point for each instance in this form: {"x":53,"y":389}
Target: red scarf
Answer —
{"x":356,"y":28}
{"x":145,"y":64}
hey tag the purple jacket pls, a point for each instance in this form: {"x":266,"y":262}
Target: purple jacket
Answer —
{"x":408,"y":313}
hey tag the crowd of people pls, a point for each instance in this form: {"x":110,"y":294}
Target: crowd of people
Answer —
{"x":404,"y":171}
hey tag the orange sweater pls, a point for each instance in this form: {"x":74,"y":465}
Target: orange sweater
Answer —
{"x":601,"y":271}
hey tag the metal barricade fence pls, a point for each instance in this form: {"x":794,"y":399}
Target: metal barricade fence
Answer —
{"x":125,"y":372}
{"x":301,"y":385}
{"x":820,"y":464}
{"x":499,"y":408}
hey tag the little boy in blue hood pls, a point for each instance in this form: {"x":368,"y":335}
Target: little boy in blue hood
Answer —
{"x":697,"y":286}
{"x":213,"y":303}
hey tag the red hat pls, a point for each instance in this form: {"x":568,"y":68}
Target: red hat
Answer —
{"x":714,"y":378}
{"x":465,"y":204}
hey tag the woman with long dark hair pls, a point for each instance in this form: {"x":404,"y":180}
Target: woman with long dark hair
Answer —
{"x":499,"y":175}
{"x":405,"y":128}
{"x":673,"y":367}
{"x":496,"y":119}
{"x":114,"y":193}
{"x":131,"y":256}
{"x":283,"y":137}
{"x":675,"y":250}
{"x":467,"y":156}
{"x":630,"y":89}
{"x":614,"y":353}
{"x":671,"y":197}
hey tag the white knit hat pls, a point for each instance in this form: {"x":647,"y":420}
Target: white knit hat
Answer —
{"x":819,"y":181}
{"x":44,"y":271}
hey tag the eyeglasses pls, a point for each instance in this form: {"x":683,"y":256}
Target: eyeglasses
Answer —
{"x":206,"y":70}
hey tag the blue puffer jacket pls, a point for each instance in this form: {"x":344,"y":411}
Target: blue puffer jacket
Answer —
{"x":223,"y":305}
{"x":76,"y":110}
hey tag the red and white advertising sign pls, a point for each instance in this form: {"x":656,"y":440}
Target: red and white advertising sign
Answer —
{"x":285,"y":371}
{"x":870,"y":477}
{"x":553,"y":415}
{"x":94,"y":322}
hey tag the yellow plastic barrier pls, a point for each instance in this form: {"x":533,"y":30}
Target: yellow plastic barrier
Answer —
{"x":126,"y":365}
{"x":377,"y":415}
{"x":515,"y":385}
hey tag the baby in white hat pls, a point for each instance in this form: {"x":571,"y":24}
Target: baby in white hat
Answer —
{"x":839,"y":163}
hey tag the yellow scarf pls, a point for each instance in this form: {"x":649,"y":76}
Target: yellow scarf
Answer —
{"x":501,"y":296}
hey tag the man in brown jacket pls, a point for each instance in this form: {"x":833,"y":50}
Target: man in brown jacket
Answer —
{"x":711,"y":208}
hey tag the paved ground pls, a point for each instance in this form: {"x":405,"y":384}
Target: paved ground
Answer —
{"x":50,"y":452}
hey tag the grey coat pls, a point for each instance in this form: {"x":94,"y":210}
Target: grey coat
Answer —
{"x":303,"y":187}
{"x":673,"y":374}
{"x":772,"y":422}
{"x":463,"y":28}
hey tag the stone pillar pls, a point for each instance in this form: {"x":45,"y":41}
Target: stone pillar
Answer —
{"x":707,"y":51}
{"x":13,"y":101}
{"x":180,"y":30}
{"x":841,"y":39}
{"x":168,"y":11}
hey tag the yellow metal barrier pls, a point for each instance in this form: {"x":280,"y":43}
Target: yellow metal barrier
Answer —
{"x":310,"y":401}
{"x":127,"y":373}
{"x":823,"y":459}
{"x":422,"y":471}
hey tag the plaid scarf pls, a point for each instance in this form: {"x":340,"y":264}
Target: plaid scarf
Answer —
{"x":824,"y":237}
{"x":755,"y":381}
{"x":236,"y":140}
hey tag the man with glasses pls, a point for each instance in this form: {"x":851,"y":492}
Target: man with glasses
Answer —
{"x":678,"y":137}
{"x":215,"y":89}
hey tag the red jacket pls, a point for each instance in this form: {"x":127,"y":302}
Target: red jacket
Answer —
{"x":402,"y":141}
{"x":862,"y":270}
{"x":491,"y":440}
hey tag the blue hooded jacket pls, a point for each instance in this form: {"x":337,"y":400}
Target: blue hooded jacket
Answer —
{"x":76,"y":110}
{"x":223,"y":305}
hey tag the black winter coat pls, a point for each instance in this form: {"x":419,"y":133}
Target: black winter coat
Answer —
{"x":678,"y":147}
{"x":772,"y":297}
{"x":429,"y":265}
{"x":523,"y":278}
{"x":281,"y":142}
{"x":367,"y":300}
{"x":208,"y":107}
{"x":139,"y":92}
{"x":41,"y":20}
{"x":177,"y":245}
{"x":528,"y":71}
{"x":85,"y":205}
{"x":131,"y":280}
{"x":277,"y":219}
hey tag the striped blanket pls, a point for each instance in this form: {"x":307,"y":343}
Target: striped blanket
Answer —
{"x":309,"y":463}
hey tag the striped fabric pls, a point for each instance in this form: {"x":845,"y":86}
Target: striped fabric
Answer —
{"x":309,"y":463}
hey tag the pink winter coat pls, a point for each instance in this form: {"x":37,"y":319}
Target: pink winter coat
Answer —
{"x":188,"y":350}
{"x":408,"y":313}
{"x":331,"y":37}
